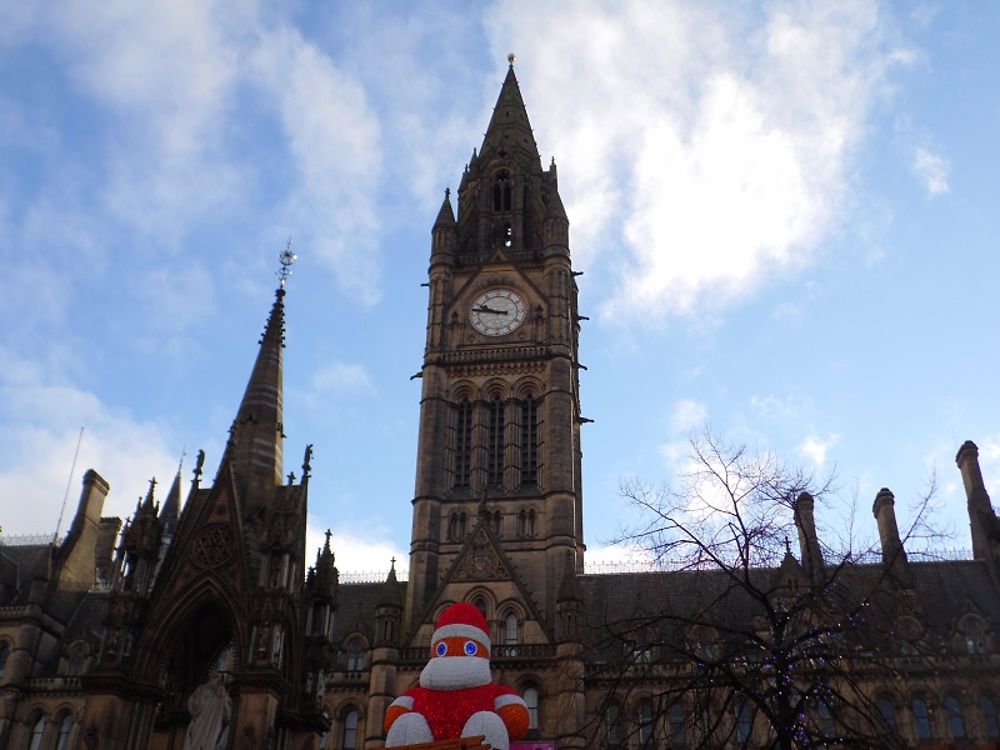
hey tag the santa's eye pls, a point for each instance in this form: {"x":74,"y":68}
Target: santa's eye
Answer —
{"x":441,"y":649}
{"x":471,"y":648}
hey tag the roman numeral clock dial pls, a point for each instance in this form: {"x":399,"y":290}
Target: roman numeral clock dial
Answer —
{"x":498,"y":311}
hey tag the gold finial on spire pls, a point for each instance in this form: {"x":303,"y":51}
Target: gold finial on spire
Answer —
{"x":286,"y":258}
{"x":510,"y":58}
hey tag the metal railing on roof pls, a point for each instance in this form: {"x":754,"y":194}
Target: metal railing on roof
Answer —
{"x":371,"y":576}
{"x":28,"y":540}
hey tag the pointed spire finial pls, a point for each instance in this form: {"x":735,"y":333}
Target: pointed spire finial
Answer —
{"x":286,"y":258}
{"x":510,"y":58}
{"x":307,"y":462}
{"x":199,"y":463}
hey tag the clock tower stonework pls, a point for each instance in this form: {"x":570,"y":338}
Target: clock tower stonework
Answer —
{"x":497,"y":511}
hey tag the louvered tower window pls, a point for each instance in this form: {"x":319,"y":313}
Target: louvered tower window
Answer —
{"x":463,"y":444}
{"x":529,"y":441}
{"x":501,"y":192}
{"x":495,"y":444}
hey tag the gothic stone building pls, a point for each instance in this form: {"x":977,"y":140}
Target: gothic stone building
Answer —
{"x":104,"y":636}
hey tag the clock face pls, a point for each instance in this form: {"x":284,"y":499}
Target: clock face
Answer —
{"x":498,"y":311}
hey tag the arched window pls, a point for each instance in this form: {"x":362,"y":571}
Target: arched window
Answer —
{"x":510,"y":629}
{"x":826,"y":723}
{"x":646,"y":740}
{"x":888,"y":713}
{"x":65,"y":728}
{"x":530,"y":696}
{"x":350,"y":734}
{"x":921,"y":719}
{"x":37,"y":731}
{"x":615,"y":736}
{"x":463,"y":443}
{"x":355,"y":655}
{"x":988,"y":710}
{"x":480,"y":604}
{"x":77,"y":659}
{"x":677,"y":722}
{"x":4,"y":653}
{"x":529,"y":441}
{"x":974,"y":635}
{"x":742,"y":720}
{"x":495,"y":445}
{"x":956,"y":721}
{"x":497,"y":521}
{"x":908,"y":636}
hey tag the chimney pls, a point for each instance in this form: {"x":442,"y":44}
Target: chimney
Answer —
{"x":893,"y":554}
{"x":981,"y":516}
{"x":812,"y":557}
{"x":76,"y":559}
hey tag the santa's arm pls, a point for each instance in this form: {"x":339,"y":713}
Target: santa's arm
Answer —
{"x":402,"y":705}
{"x":514,"y":712}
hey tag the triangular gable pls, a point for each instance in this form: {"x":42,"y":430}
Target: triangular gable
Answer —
{"x":209,"y":543}
{"x":482,"y":560}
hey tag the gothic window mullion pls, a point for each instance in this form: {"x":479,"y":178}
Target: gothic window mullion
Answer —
{"x":512,"y":444}
{"x":480,"y":446}
{"x":453,"y":454}
{"x":495,"y":443}
{"x":528,"y":439}
{"x":462,"y":440}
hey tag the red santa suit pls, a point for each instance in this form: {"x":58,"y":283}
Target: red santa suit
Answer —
{"x":455,"y":697}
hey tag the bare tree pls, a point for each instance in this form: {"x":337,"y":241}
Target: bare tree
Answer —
{"x":738,"y":642}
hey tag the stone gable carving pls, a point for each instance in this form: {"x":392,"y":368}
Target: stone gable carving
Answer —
{"x":481,"y":561}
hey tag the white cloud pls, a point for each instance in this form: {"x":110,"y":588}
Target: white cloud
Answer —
{"x":176,"y":82}
{"x":166,"y":71}
{"x":932,"y":169}
{"x":688,"y":415}
{"x":772,"y":406}
{"x":342,"y":378}
{"x":815,"y":448}
{"x":733,"y":136}
{"x":39,"y":426}
{"x":333,"y":137}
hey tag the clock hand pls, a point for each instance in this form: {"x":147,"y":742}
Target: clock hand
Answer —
{"x":489,"y":310}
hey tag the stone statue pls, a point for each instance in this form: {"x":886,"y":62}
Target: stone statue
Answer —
{"x":211,"y":709}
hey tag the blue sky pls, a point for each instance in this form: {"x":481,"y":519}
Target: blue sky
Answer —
{"x":786,"y":213}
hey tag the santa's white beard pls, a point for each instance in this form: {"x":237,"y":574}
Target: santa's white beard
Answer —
{"x":455,"y":672}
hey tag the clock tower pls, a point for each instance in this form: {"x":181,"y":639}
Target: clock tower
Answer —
{"x":498,"y":501}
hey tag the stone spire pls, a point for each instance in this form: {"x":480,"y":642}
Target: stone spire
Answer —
{"x":509,"y":133}
{"x":255,"y":446}
{"x":171,"y":509}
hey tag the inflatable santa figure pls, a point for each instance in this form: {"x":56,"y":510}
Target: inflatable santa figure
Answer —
{"x":455,"y":697}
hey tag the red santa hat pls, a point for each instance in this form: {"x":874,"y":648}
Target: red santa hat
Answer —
{"x":462,"y":620}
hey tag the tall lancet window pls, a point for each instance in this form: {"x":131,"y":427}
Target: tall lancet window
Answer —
{"x":495,"y":444}
{"x":501,"y":192}
{"x":529,"y":441}
{"x":463,"y":443}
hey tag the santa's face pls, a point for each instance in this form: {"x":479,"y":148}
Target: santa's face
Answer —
{"x":456,"y":663}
